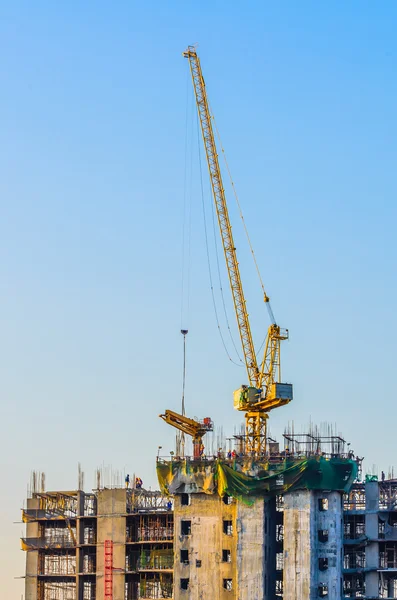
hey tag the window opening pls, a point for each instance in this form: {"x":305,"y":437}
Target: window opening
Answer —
{"x":226,"y":556}
{"x":186,"y":527}
{"x":323,"y":563}
{"x":227,"y":584}
{"x":323,"y":535}
{"x":228,"y":527}
{"x":184,"y":584}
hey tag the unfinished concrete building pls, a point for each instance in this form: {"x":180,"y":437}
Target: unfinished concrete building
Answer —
{"x":230,"y":530}
{"x":370,"y":540}
{"x":109,"y":544}
{"x":260,"y":528}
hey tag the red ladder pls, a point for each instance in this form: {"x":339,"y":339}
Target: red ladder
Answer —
{"x":108,"y":570}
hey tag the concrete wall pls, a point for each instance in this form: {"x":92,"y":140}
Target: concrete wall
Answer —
{"x":256,"y":555}
{"x":205,"y":544}
{"x":302,"y":548}
{"x":252,"y":549}
{"x":32,"y":531}
{"x":372,"y":532}
{"x":298,"y":544}
{"x":332,"y":520}
{"x":111,"y":526}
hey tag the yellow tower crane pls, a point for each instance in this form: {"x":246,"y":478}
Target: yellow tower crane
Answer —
{"x":264,"y":392}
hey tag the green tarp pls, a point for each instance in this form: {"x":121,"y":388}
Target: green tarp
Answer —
{"x":247,"y":479}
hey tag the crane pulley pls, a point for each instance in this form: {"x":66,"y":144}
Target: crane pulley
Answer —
{"x":264,"y":392}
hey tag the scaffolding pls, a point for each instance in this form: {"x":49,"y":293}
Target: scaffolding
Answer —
{"x":151,"y":528}
{"x":155,"y":586}
{"x":57,"y":563}
{"x":141,"y":500}
{"x":354,"y":585}
{"x":355,"y":499}
{"x":88,"y":560}
{"x":56,"y":590}
{"x":89,"y":590}
{"x":155,"y":559}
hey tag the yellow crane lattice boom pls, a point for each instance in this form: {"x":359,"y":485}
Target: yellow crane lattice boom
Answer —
{"x":264,"y":393}
{"x":223,"y":217}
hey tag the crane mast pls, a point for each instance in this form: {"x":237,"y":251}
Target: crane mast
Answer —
{"x":264,"y":393}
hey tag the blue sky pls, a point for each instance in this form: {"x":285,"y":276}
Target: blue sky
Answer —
{"x":93,"y":103}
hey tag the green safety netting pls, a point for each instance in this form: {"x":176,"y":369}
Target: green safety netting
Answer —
{"x":247,"y":479}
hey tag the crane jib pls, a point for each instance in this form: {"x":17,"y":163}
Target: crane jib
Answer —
{"x":223,"y":219}
{"x":264,"y":392}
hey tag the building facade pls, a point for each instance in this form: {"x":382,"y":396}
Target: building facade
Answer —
{"x":123,"y":544}
{"x":107,"y":545}
{"x":370,"y":540}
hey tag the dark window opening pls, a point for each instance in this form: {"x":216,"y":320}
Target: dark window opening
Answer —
{"x":228,"y":527}
{"x":323,"y":564}
{"x":322,"y":504}
{"x":227,"y":584}
{"x":227,"y":499}
{"x":185,"y":499}
{"x":184,"y":584}
{"x":279,"y":561}
{"x":323,"y":590}
{"x":198,"y":563}
{"x":186,"y":527}
{"x":185,"y":557}
{"x":323,"y":535}
{"x":226,"y":556}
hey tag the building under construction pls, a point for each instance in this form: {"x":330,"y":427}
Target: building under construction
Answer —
{"x":301,"y":526}
{"x":111,"y":543}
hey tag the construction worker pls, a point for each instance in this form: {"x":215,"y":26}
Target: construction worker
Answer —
{"x":138,"y":483}
{"x":127,"y":481}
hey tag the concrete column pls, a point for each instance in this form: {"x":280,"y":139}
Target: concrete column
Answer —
{"x":111,"y":525}
{"x":270,"y":544}
{"x":330,"y":520}
{"x":298,"y":545}
{"x":79,"y":566}
{"x":32,"y":556}
{"x":372,"y":532}
{"x":304,"y":516}
{"x":252,"y":550}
